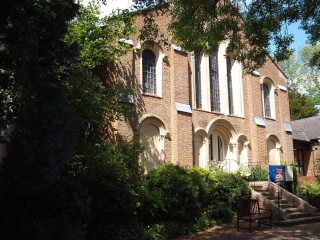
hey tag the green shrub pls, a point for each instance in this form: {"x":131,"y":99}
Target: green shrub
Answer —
{"x":178,"y":202}
{"x":229,"y":190}
{"x":205,"y":182}
{"x":259,"y":174}
{"x":308,"y":191}
{"x":169,"y":194}
{"x":98,"y":189}
{"x":168,"y":230}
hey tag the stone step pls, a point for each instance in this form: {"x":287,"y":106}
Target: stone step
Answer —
{"x":293,"y":209}
{"x":298,"y":215}
{"x":287,"y":205}
{"x":297,"y":221}
{"x":269,"y":196}
{"x":282,"y":201}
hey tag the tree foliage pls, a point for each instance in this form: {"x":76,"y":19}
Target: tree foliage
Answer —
{"x":97,"y":39}
{"x":249,"y":28}
{"x":59,"y":172}
{"x":301,"y":106}
{"x":303,"y":82}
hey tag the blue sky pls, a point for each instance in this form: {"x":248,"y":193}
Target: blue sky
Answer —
{"x":300,"y":37}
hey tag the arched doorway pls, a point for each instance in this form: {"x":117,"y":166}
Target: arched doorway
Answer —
{"x":222,"y":140}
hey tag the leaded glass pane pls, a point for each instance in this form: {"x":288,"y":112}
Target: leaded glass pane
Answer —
{"x":214,"y":82}
{"x":149,"y":79}
{"x":197,"y":80}
{"x":266,"y":100}
{"x":230,"y":91}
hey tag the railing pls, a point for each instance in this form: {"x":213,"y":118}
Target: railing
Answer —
{"x":231,"y":165}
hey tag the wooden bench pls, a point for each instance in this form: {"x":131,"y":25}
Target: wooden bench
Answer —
{"x":250,"y":211}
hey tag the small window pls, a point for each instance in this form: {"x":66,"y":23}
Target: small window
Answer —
{"x":266,"y":100}
{"x":298,"y":161}
{"x":149,"y":79}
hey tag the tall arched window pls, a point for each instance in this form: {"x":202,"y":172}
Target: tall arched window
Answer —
{"x":266,"y":100}
{"x":197,"y":62}
{"x":149,"y":78}
{"x":214,"y":82}
{"x":230,"y":91}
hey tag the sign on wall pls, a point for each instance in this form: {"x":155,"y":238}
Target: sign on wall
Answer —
{"x":280,"y":173}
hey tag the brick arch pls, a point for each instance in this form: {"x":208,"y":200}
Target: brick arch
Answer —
{"x":154,"y":119}
{"x":224,"y":127}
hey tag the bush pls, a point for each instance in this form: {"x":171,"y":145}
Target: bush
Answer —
{"x":205,"y":182}
{"x":176,"y":201}
{"x":168,"y":230}
{"x":308,"y":191}
{"x":230,"y":189}
{"x":99,"y":189}
{"x":259,"y":174}
{"x":169,"y":194}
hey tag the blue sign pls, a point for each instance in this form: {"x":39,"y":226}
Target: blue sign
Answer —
{"x":280,"y":173}
{"x":277,"y":173}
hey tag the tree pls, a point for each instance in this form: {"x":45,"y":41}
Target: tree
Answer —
{"x":301,"y":106}
{"x":32,"y":59}
{"x":249,"y":28}
{"x":59,"y":172}
{"x":303,"y":78}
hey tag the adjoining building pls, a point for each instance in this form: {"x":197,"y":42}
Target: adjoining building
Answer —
{"x":306,"y":145}
{"x":198,"y":110}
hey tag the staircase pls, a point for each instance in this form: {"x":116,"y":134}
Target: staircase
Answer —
{"x":287,"y":208}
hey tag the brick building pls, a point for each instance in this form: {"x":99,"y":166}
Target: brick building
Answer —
{"x":202,"y":110}
{"x":306,"y":144}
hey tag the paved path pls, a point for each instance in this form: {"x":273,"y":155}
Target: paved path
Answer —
{"x":305,"y":231}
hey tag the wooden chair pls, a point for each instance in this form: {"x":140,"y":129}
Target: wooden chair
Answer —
{"x":250,"y":211}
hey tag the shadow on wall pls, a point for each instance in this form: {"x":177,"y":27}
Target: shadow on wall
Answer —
{"x":152,"y":135}
{"x":124,"y":75}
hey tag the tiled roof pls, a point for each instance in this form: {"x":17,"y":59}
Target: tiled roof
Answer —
{"x":299,"y":135}
{"x":310,"y":127}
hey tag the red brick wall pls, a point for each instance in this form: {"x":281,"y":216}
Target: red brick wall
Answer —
{"x":177,"y":87}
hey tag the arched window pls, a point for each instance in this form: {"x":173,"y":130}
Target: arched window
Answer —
{"x":149,"y":78}
{"x":230,"y":91}
{"x":197,"y":62}
{"x":214,"y":82}
{"x":266,"y":100}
